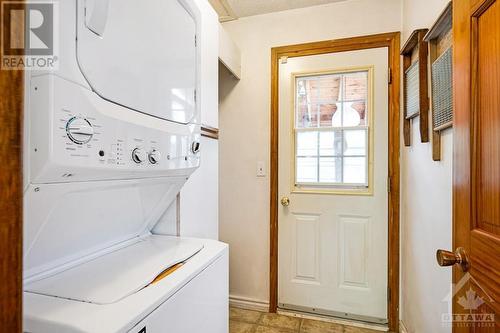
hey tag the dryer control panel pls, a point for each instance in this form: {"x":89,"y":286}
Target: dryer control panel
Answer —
{"x":75,"y":135}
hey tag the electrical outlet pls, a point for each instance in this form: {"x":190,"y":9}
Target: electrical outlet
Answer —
{"x":261,"y":169}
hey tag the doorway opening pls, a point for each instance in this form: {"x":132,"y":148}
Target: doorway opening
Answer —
{"x":342,"y":117}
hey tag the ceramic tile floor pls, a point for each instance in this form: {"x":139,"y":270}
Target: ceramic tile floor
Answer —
{"x":246,"y":321}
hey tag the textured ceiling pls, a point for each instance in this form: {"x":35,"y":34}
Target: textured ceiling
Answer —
{"x":233,"y":9}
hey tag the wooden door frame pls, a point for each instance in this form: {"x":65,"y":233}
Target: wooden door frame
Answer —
{"x":11,"y":194}
{"x":392,"y":42}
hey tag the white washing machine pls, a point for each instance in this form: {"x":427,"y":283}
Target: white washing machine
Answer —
{"x":111,"y":137}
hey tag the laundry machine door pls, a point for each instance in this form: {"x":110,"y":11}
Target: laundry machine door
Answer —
{"x":141,"y":54}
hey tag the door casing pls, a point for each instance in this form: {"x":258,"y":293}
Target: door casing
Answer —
{"x":390,"y":40}
{"x":11,"y":190}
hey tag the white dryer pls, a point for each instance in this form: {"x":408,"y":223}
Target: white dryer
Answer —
{"x":111,"y":137}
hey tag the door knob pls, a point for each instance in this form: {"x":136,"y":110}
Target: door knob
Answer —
{"x":459,"y":257}
{"x":285,"y":201}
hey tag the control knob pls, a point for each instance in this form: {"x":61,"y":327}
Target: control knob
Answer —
{"x":154,"y":156}
{"x":79,"y":130}
{"x":138,"y":155}
{"x":195,"y":147}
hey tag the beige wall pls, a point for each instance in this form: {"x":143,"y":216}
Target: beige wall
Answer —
{"x":244,"y":123}
{"x":426,"y":205}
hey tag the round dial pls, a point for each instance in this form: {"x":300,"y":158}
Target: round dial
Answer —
{"x":138,"y":155}
{"x":79,"y":130}
{"x":154,"y":156}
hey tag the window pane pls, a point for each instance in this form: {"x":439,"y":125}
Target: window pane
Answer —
{"x":317,"y":98}
{"x":355,"y":86}
{"x":306,"y":114}
{"x":354,"y":114}
{"x":330,"y":170}
{"x":355,"y":170}
{"x":306,"y":117}
{"x":330,"y":143}
{"x":326,"y":88}
{"x":331,"y":121}
{"x":307,"y":169}
{"x":307,"y":143}
{"x":337,"y":116}
{"x":329,"y":113}
{"x":355,"y":142}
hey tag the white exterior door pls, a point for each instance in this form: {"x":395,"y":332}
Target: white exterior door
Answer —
{"x":333,"y":168}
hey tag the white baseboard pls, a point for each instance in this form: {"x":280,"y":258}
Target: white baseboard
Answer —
{"x":248,"y":303}
{"x":402,"y":327}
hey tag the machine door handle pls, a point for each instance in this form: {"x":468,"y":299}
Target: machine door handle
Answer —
{"x":459,"y":257}
{"x":96,"y":15}
{"x":285,"y":201}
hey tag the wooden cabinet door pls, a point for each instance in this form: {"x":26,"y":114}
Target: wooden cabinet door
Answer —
{"x":476,"y":181}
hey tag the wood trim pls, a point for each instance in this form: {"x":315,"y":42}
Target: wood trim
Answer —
{"x":436,"y":145}
{"x":444,"y":126}
{"x":11,"y":116}
{"x":423,"y":53}
{"x":442,"y":25}
{"x":273,"y":182}
{"x":462,"y":129}
{"x":411,"y":43}
{"x":210,"y":132}
{"x":391,"y":41}
{"x":406,"y":121}
{"x":394,"y":185}
{"x":416,"y":40}
{"x":335,"y":45}
{"x":436,"y":133}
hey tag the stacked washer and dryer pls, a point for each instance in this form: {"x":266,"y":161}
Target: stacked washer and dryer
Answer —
{"x":111,"y":137}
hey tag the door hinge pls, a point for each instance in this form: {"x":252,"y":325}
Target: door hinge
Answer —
{"x":389,"y":183}
{"x":195,"y":41}
{"x":389,"y":76}
{"x":195,"y":96}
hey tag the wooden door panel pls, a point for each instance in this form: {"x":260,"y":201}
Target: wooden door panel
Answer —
{"x":477,"y":162}
{"x":485,"y":311}
{"x":485,"y":93}
{"x":485,"y":262}
{"x":487,"y":112}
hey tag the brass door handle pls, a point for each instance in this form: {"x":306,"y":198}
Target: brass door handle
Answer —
{"x":459,"y":257}
{"x":285,"y":201}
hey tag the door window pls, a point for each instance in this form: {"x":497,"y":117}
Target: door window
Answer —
{"x":332,"y":130}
